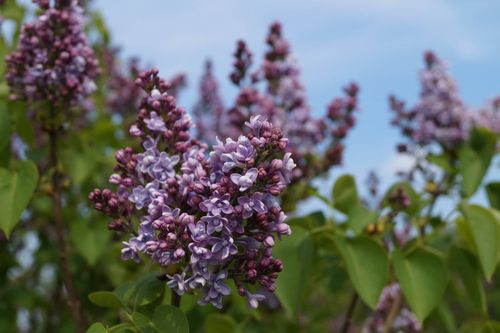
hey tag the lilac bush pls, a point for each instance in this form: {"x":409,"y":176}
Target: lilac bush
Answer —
{"x":209,"y":217}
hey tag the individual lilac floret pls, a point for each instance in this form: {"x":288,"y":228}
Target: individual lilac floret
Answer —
{"x":246,"y":180}
{"x":217,"y":205}
{"x":210,"y":217}
{"x":54,"y":61}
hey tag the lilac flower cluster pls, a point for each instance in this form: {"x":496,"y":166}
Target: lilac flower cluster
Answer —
{"x":208,"y":111}
{"x":53,"y":61}
{"x":405,"y":321}
{"x":123,"y":95}
{"x":488,"y":116}
{"x":283,"y":102}
{"x":205,"y":217}
{"x":440,"y":115}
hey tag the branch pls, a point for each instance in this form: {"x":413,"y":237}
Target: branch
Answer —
{"x":350,"y":312}
{"x":175,"y":299}
{"x":73,"y":301}
{"x":393,"y":312}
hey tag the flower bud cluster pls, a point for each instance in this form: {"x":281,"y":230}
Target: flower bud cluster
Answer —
{"x":53,"y":62}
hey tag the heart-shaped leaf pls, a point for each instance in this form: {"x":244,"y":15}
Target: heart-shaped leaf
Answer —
{"x":105,"y":299}
{"x":484,"y":227}
{"x":367,"y":265}
{"x":423,"y":276}
{"x":16,"y":188}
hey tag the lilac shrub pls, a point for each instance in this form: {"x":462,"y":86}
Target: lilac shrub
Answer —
{"x":53,"y":62}
{"x":207,"y":217}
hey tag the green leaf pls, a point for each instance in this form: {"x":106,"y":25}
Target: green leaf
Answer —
{"x":485,"y":230}
{"x":122,"y":328}
{"x":359,"y":217}
{"x":97,"y":328}
{"x":143,"y":323}
{"x":345,"y":194}
{"x":493,"y":192}
{"x":469,"y":270}
{"x":367,"y":265}
{"x":475,"y":158}
{"x":446,"y":317}
{"x":219,"y":323}
{"x":90,"y":241}
{"x":491,"y":327}
{"x":81,"y":164}
{"x":170,"y":319}
{"x":16,"y":188}
{"x":148,"y":290}
{"x":441,"y":161}
{"x":423,"y":277}
{"x":105,"y":299}
{"x":297,"y":255}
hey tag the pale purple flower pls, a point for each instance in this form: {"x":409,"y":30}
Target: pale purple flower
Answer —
{"x":252,"y":204}
{"x":217,"y":204}
{"x":245,"y":181}
{"x":177,"y":283}
{"x":214,"y":223}
{"x":155,"y":123}
{"x":254,"y":299}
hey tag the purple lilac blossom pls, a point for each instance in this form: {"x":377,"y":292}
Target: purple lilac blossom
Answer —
{"x":439,"y":116}
{"x":210,"y":217}
{"x":54,"y":61}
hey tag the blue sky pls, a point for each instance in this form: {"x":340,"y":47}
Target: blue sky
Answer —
{"x":379,"y":44}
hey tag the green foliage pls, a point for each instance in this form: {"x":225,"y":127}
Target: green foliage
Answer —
{"x":484,"y":228}
{"x":105,"y":299}
{"x":470,"y":273}
{"x":493,"y":192}
{"x":475,"y":159}
{"x":89,"y":240}
{"x":367,"y":265}
{"x":97,"y":328}
{"x":16,"y":188}
{"x":169,"y":319}
{"x":297,"y":254}
{"x":219,"y":323}
{"x":423,"y":277}
{"x":345,"y":194}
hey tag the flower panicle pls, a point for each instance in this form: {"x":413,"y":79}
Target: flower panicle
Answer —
{"x":206,"y":217}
